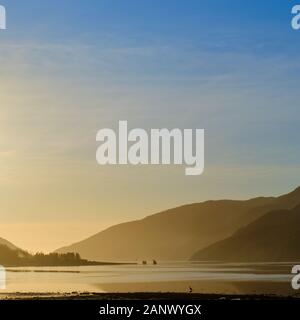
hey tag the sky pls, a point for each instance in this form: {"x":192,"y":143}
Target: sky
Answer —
{"x":69,"y":68}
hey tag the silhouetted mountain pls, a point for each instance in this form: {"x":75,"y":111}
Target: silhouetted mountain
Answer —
{"x":11,"y":256}
{"x":273,"y":237}
{"x":180,"y":232}
{"x":8,"y":244}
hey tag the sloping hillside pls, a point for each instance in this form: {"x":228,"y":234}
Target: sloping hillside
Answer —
{"x":178,"y":233}
{"x":8,"y":244}
{"x":273,"y":237}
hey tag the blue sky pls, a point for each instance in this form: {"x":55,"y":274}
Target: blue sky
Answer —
{"x":149,"y":20}
{"x":69,"y":68}
{"x":230,"y":47}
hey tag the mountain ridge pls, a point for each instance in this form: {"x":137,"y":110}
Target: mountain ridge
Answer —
{"x":179,"y":232}
{"x":8,"y":244}
{"x":273,"y":237}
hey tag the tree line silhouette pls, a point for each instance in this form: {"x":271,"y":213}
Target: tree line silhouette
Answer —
{"x":10,"y":257}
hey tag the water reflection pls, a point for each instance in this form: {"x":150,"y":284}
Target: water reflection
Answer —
{"x":265,"y":278}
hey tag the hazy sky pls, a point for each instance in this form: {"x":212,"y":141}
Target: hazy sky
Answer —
{"x":69,"y":68}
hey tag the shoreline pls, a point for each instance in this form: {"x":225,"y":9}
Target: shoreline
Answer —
{"x":89,"y":264}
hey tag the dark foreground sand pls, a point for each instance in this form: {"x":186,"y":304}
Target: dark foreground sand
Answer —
{"x":139,"y":296}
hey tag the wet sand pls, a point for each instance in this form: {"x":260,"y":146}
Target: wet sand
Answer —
{"x":206,"y":287}
{"x":140,"y":296}
{"x":178,"y":290}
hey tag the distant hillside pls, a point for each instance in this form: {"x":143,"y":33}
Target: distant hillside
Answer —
{"x":180,"y":232}
{"x":8,"y":244}
{"x":273,"y":237}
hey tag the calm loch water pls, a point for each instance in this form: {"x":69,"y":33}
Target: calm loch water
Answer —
{"x":165,"y":277}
